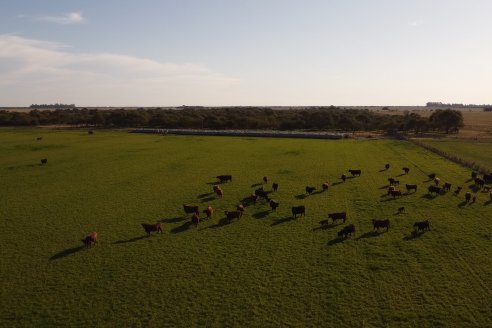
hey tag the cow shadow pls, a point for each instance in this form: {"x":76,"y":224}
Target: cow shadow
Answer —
{"x":473,"y":188}
{"x":369,"y":234}
{"x":389,"y":199}
{"x":222,"y":222}
{"x":261,"y":215}
{"x":205,"y":195}
{"x":384,"y":187}
{"x":300,"y":196}
{"x":336,"y":183}
{"x":325,"y":227}
{"x":317,"y":192}
{"x":21,"y":166}
{"x":429,"y":196}
{"x":283,"y":220}
{"x":182,"y":228}
{"x":487,"y":202}
{"x":400,"y":175}
{"x":414,"y":235}
{"x":207,"y":199}
{"x":173,"y":220}
{"x":213,"y":183}
{"x":335,"y":241}
{"x":463,"y":203}
{"x":256,"y":184}
{"x":469,"y":180}
{"x":131,"y":240}
{"x":66,"y":252}
{"x":247,"y":201}
{"x":383,"y":170}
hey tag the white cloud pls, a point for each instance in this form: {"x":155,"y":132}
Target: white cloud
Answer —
{"x":39,"y":71}
{"x":416,"y":23}
{"x":66,"y":19}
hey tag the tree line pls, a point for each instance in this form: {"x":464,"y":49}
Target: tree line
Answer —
{"x":259,"y":118}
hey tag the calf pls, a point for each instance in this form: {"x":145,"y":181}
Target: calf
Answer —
{"x":390,"y":180}
{"x":447,"y":186}
{"x":151,"y":227}
{"x":224,"y":178}
{"x":274,"y":204}
{"x":434,"y":189}
{"x":467,"y":196}
{"x":325,"y":186}
{"x":219,"y":192}
{"x":195,"y":219}
{"x":346,"y":231}
{"x":44,"y":160}
{"x":190,"y":209}
{"x":422,"y":225}
{"x":387,"y":166}
{"x":209,"y":211}
{"x":90,"y":239}
{"x":343,"y":177}
{"x":355,"y":172}
{"x":309,"y":190}
{"x":390,"y":189}
{"x":411,"y":187}
{"x":254,"y":198}
{"x":275,"y":186}
{"x":458,"y":190}
{"x":233,"y":215}
{"x":406,"y":170}
{"x":437,"y":181}
{"x":474,"y":175}
{"x":376,"y":224}
{"x":298,"y":210}
{"x":338,"y":216}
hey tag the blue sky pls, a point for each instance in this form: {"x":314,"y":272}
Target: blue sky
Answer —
{"x":238,"y":52}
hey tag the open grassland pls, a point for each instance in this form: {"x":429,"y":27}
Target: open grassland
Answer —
{"x":473,"y":151}
{"x":266,"y":269}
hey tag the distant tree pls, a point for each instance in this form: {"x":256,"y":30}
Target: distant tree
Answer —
{"x":487,"y":109}
{"x":447,"y":120}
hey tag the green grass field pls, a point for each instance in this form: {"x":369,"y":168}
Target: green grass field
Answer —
{"x":266,"y":269}
{"x":479,"y":152}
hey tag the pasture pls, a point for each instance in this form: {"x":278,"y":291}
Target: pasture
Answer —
{"x":265,"y":269}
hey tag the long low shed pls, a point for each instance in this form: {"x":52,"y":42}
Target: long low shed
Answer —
{"x":247,"y":133}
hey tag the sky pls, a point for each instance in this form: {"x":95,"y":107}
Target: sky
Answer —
{"x":245,"y":52}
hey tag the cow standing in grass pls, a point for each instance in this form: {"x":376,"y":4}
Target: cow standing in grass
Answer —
{"x":195,"y":219}
{"x":230,"y":215}
{"x":387,"y":166}
{"x":467,"y":196}
{"x":274,"y":204}
{"x":265,"y":179}
{"x":411,"y":187}
{"x":90,"y":239}
{"x":422,"y":225}
{"x":298,"y":210}
{"x":310,"y":190}
{"x":208,"y":212}
{"x":325,"y":186}
{"x":406,"y":170}
{"x":376,"y":224}
{"x":338,"y":216}
{"x":346,"y":231}
{"x":458,"y":190}
{"x":151,"y":228}
{"x":343,"y":177}
{"x":275,"y":186}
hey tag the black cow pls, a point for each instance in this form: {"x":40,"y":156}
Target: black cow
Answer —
{"x":265,"y":179}
{"x":325,"y":186}
{"x":422,"y":225}
{"x":274,"y":204}
{"x":411,"y":187}
{"x":346,"y":231}
{"x":395,"y":182}
{"x":298,"y":210}
{"x":39,"y":138}
{"x":458,"y":190}
{"x":474,"y":175}
{"x":309,"y":190}
{"x":224,"y":178}
{"x":467,"y":196}
{"x":262,"y":193}
{"x":387,"y":166}
{"x":406,"y":170}
{"x":355,"y":172}
{"x":376,"y":224}
{"x":152,"y":227}
{"x":487,"y":178}
{"x":44,"y":160}
{"x":338,"y":216}
{"x":395,"y":193}
{"x":275,"y":186}
{"x":479,"y":182}
{"x":190,"y":209}
{"x":343,"y":177}
{"x":432,"y":176}
{"x":434,"y":189}
{"x":195,"y":219}
{"x":447,"y":186}
{"x":90,"y":239}
{"x":401,"y":210}
{"x":233,"y":215}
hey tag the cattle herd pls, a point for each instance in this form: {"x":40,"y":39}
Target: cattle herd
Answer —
{"x":434,"y":189}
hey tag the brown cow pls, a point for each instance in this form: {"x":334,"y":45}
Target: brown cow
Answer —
{"x":44,"y":160}
{"x":447,"y":186}
{"x":254,"y":198}
{"x":406,"y":170}
{"x":90,"y":239}
{"x":401,"y":210}
{"x":380,"y":224}
{"x":325,"y":186}
{"x":437,"y":181}
{"x":195,"y":219}
{"x":343,"y":177}
{"x":458,"y":190}
{"x":151,"y":227}
{"x":467,"y":196}
{"x":240,"y":208}
{"x":209,"y":211}
{"x":219,"y":192}
{"x":395,"y":193}
{"x":387,"y":166}
{"x":224,"y":178}
{"x":411,"y":187}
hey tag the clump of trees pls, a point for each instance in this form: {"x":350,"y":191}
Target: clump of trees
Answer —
{"x":258,"y":118}
{"x":447,"y":120}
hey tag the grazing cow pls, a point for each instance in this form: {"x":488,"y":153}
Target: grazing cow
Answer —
{"x":355,"y":172}
{"x":325,"y":186}
{"x":479,"y":182}
{"x":90,"y":132}
{"x":233,"y":215}
{"x":298,"y":210}
{"x":395,"y":182}
{"x":219,"y":192}
{"x":261,"y":193}
{"x":209,"y":211}
{"x":224,"y":178}
{"x":254,"y":198}
{"x":458,"y":190}
{"x":216,"y":187}
{"x":401,"y":210}
{"x":152,"y":227}
{"x":447,"y":186}
{"x":487,"y":178}
{"x":467,"y":196}
{"x":390,"y":189}
{"x":437,"y":181}
{"x":411,"y":187}
{"x":338,"y":216}
{"x":474,"y":199}
{"x":474,"y":175}
{"x":240,"y":208}
{"x":343,"y":177}
{"x":190,"y":209}
{"x":90,"y":239}
{"x":274,"y":204}
{"x":309,"y":190}
{"x":406,"y":170}
{"x":265,"y":179}
{"x":432,"y":176}
{"x":390,"y":180}
{"x":346,"y":231}
{"x":387,"y":166}
{"x":434,"y":189}
{"x":275,"y":186}
{"x":422,"y":225}
{"x":44,"y":160}
{"x":39,"y":138}
{"x":395,"y":193}
{"x":376,"y":224}
{"x":195,"y":219}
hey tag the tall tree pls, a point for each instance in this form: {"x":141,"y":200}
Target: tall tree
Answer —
{"x":448,"y":120}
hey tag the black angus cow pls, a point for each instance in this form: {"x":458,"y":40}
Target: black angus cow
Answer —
{"x":261,"y":193}
{"x":458,"y":190}
{"x":233,"y":215}
{"x":190,"y":209}
{"x":39,"y":138}
{"x":44,"y":160}
{"x":447,"y":186}
{"x":387,"y":166}
{"x":432,"y":176}
{"x":434,"y":189}
{"x":265,"y":179}
{"x":90,"y":239}
{"x":346,"y":231}
{"x":487,"y":178}
{"x":224,"y":178}
{"x":376,"y":224}
{"x":152,"y":227}
{"x":298,"y":210}
{"x":406,"y":170}
{"x":479,"y":182}
{"x":338,"y":216}
{"x":422,"y":225}
{"x":309,"y":190}
{"x":467,"y":196}
{"x":395,"y":193}
{"x":275,"y":186}
{"x":343,"y":177}
{"x":274,"y":204}
{"x":355,"y":172}
{"x":411,"y":187}
{"x":401,"y":210}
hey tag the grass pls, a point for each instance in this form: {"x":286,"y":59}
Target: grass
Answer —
{"x":266,"y":269}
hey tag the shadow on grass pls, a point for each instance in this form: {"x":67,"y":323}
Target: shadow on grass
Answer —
{"x":182,"y":228}
{"x":213,"y":183}
{"x":414,"y":235}
{"x":317,"y":192}
{"x":207,"y":199}
{"x":383,"y":170}
{"x":283,"y":220}
{"x":131,"y":240}
{"x":369,"y":234}
{"x":173,"y":220}
{"x":400,"y":175}
{"x":336,"y":183}
{"x":21,"y":166}
{"x":256,"y":184}
{"x":205,"y":195}
{"x":335,"y":241}
{"x":463,"y":203}
{"x":487,"y":202}
{"x":384,"y":187}
{"x":473,"y":188}
{"x":325,"y":226}
{"x":429,"y":196}
{"x":301,"y":196}
{"x":261,"y":215}
{"x":389,"y":199}
{"x":222,"y":222}
{"x":66,"y":252}
{"x":247,"y":201}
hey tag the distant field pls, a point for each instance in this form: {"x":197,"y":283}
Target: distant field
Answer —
{"x":266,"y":269}
{"x":474,"y":151}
